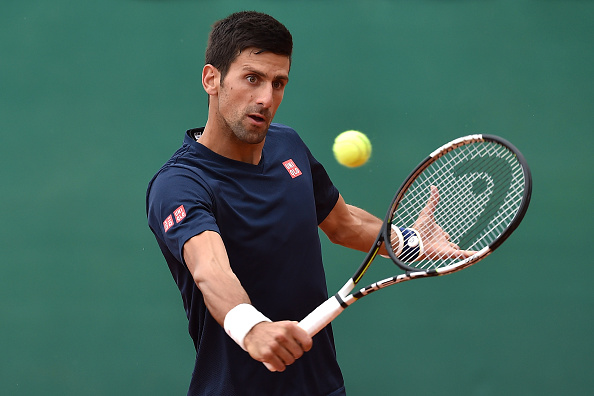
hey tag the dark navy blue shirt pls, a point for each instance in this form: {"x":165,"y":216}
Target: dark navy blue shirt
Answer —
{"x":268,"y":216}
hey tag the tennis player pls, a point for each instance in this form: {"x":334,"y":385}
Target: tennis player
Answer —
{"x":236,"y":212}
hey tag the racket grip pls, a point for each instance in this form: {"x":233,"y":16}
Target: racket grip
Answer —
{"x":318,"y":319}
{"x":321,"y":316}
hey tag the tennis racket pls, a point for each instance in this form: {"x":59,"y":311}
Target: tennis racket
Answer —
{"x":454,"y":209}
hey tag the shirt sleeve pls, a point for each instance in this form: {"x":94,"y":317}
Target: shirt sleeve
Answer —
{"x":179,"y":206}
{"x":326,"y":194}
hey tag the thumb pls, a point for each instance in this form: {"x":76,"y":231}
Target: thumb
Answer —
{"x":432,"y":202}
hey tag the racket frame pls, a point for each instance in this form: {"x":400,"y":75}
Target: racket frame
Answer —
{"x":333,"y":306}
{"x":387,"y":226}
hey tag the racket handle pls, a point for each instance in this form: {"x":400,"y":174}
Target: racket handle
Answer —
{"x":318,"y":319}
{"x":321,"y":316}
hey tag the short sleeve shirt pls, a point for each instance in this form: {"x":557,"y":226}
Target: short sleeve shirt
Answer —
{"x":268,"y":216}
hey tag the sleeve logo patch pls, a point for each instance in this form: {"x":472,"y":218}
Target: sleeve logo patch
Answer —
{"x":168,"y":223}
{"x":293,"y":170}
{"x":179,"y":214}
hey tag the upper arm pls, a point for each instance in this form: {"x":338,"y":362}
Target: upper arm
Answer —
{"x":350,"y":226}
{"x":205,"y":253}
{"x":333,"y":224}
{"x":180,"y":205}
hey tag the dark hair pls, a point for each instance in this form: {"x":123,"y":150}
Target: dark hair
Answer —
{"x":245,"y":29}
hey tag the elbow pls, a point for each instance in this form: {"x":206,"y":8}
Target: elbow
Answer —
{"x":338,"y":237}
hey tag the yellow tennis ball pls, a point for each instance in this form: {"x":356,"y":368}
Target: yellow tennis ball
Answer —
{"x":352,"y":148}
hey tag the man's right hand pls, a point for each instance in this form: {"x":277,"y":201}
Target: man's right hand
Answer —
{"x":278,"y":344}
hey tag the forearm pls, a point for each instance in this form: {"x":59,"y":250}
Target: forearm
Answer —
{"x":221,"y":292}
{"x":207,"y":261}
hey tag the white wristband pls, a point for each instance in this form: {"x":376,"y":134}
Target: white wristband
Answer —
{"x":240,"y":320}
{"x":396,"y":231}
{"x":413,"y":245}
{"x":396,"y":243}
{"x":406,"y":244}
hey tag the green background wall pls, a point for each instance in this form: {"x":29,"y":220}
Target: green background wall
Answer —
{"x":96,"y":95}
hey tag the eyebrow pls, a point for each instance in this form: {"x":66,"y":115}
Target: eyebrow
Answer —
{"x":279,"y":77}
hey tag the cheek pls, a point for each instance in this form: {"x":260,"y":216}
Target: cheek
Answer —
{"x":278,"y":98}
{"x":227,"y":103}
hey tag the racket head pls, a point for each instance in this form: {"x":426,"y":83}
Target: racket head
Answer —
{"x":483,"y":186}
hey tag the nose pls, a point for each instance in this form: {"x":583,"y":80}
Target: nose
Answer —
{"x":265,"y":96}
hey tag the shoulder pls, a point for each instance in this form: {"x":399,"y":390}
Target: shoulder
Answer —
{"x":281,"y":131}
{"x":285,"y":136}
{"x":179,"y":177}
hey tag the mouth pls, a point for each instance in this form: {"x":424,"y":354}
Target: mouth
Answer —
{"x":257,"y":118}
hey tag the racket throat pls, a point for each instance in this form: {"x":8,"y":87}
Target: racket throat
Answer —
{"x":343,"y":296}
{"x":340,"y":300}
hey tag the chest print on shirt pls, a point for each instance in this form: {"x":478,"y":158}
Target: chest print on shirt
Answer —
{"x":293,"y":170}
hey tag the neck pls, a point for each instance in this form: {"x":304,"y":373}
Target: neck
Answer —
{"x":226,"y":144}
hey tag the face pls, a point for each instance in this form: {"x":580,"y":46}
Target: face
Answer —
{"x":250,"y":94}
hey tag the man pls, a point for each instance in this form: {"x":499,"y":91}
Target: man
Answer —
{"x":235,"y":212}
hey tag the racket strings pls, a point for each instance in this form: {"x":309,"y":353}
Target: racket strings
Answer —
{"x":480,"y":203}
{"x":480,"y":187}
{"x":463,"y":216}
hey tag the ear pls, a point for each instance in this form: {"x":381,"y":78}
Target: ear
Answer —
{"x":210,"y":79}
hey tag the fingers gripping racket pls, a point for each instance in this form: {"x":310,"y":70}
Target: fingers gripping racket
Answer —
{"x":454,"y":209}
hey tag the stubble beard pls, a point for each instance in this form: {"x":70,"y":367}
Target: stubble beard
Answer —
{"x":247,"y":133}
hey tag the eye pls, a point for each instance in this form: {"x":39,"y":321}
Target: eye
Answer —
{"x":277,"y":84}
{"x":252,"y":79}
